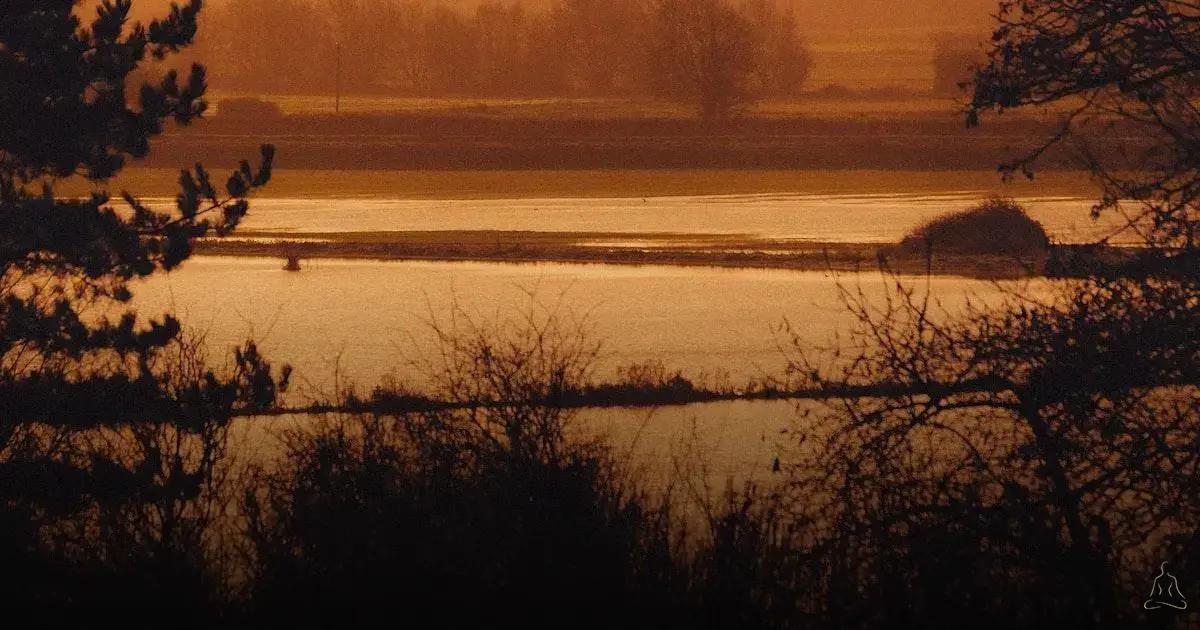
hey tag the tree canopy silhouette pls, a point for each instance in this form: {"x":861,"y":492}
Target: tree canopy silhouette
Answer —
{"x":68,"y":110}
{"x":723,"y":56}
{"x":1045,"y":446}
{"x":1126,"y":69}
{"x":75,"y":363}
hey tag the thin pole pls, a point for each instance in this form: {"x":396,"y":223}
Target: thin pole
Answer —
{"x":337,"y":102}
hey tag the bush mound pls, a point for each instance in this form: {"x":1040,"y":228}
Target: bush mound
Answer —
{"x":247,"y":108}
{"x":995,"y":226}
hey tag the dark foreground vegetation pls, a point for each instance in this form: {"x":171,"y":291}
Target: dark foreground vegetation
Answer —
{"x":1045,"y":480}
{"x":1048,"y":456}
{"x":1030,"y":464}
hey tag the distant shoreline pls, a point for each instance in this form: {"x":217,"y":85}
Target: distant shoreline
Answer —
{"x":572,"y":248}
{"x":441,"y":185}
{"x":579,"y":139}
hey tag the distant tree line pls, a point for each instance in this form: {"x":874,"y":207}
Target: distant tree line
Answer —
{"x":717,"y":54}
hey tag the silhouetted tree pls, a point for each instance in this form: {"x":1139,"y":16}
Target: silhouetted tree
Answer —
{"x":784,"y":62}
{"x":502,"y":39}
{"x":592,"y":47}
{"x":1033,"y":462}
{"x":704,"y":53}
{"x":66,"y":98}
{"x":1120,"y":70}
{"x":451,"y":52}
{"x":70,"y":361}
{"x":1046,"y":445}
{"x":252,"y":44}
{"x":604,"y":43}
{"x":723,"y":56}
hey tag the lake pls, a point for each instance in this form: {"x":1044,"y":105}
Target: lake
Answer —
{"x":846,"y":218}
{"x":356,"y":321}
{"x":719,"y":442}
{"x":341,"y":322}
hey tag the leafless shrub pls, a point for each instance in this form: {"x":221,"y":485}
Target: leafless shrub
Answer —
{"x":1040,"y":445}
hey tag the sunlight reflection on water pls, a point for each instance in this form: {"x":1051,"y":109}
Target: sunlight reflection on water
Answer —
{"x":339,"y":321}
{"x":855,"y":218}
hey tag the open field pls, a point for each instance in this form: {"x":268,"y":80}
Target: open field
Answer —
{"x":901,"y":151}
{"x":882,"y":129}
{"x":594,"y":183}
{"x":881,"y":101}
{"x":508,"y":142}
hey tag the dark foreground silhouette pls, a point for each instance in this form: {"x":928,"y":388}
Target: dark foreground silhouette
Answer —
{"x":1002,"y":491}
{"x":1033,"y":466}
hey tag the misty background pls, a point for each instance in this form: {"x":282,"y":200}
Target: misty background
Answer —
{"x":579,"y":47}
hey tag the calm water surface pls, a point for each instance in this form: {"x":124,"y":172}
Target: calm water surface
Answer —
{"x":342,"y":322}
{"x":863,"y":218}
{"x":730,"y":441}
{"x":360,"y":320}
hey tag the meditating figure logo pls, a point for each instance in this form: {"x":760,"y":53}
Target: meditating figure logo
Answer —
{"x":1165,"y":592}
